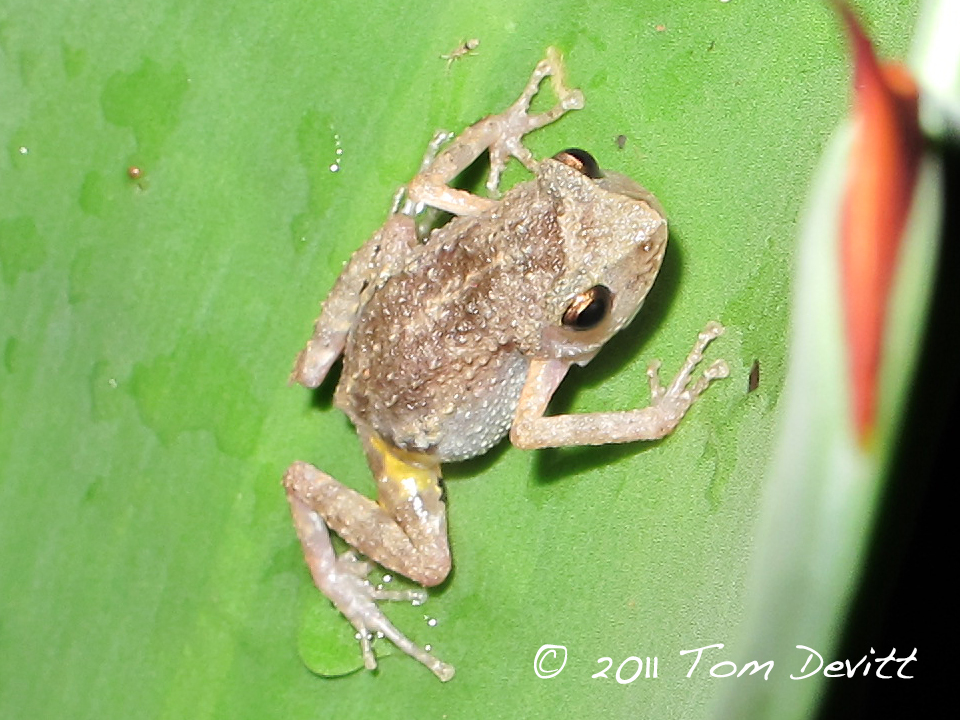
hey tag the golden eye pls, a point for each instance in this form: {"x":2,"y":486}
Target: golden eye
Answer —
{"x":588,"y":309}
{"x":580,"y":160}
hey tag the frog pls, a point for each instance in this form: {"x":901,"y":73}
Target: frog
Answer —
{"x":456,"y":336}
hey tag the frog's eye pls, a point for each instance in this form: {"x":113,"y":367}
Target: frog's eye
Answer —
{"x":581,"y":161}
{"x":588,"y":309}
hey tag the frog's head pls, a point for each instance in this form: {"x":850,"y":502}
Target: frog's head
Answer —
{"x":614,"y":235}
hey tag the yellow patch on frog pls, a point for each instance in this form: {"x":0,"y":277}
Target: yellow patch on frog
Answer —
{"x":402,"y":465}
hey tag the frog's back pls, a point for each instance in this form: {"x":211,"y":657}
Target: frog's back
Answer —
{"x":440,"y":352}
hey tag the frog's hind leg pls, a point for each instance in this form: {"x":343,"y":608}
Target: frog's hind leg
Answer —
{"x":381,"y":256}
{"x":405,"y":531}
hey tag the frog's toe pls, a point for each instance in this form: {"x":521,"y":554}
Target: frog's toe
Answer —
{"x":356,"y":598}
{"x":681,"y":393}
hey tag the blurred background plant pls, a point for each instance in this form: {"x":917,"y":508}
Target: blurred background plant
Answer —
{"x":868,"y":262}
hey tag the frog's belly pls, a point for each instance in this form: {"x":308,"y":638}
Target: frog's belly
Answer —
{"x":480,"y":420}
{"x":454,"y":414}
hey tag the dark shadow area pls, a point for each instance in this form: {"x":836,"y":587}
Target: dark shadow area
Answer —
{"x":907,"y":599}
{"x":322,"y":397}
{"x":456,"y":471}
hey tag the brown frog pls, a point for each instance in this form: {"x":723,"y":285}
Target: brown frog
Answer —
{"x":453,"y":340}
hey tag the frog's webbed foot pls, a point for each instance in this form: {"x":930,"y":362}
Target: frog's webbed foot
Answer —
{"x":516,"y":122}
{"x":676,"y":398}
{"x":344,"y":581}
{"x":501,"y":135}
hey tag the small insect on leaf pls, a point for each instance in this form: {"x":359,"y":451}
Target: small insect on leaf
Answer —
{"x":464,"y":49}
{"x":753,"y":380}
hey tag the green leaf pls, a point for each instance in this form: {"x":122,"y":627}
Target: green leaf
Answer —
{"x":148,"y":324}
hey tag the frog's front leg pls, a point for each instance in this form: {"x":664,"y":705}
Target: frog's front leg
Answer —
{"x":531,"y":429}
{"x":405,"y":531}
{"x":501,"y":135}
